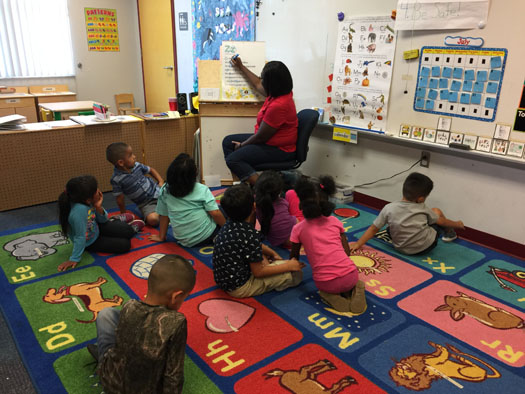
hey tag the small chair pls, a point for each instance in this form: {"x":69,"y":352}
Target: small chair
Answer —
{"x":125,"y":103}
{"x":307,"y":121}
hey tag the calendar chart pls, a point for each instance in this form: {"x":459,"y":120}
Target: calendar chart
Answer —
{"x":460,"y":82}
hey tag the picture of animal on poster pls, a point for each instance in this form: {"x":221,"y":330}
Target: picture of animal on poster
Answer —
{"x":304,"y":380}
{"x":35,"y":246}
{"x":89,"y":293}
{"x":465,"y":305}
{"x":418,"y":371}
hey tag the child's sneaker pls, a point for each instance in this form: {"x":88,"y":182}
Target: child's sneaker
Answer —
{"x":123,"y":217}
{"x":137,"y":225}
{"x":449,"y":236}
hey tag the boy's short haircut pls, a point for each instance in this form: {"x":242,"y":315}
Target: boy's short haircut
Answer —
{"x":171,"y":273}
{"x":417,"y":185}
{"x":116,"y":151}
{"x":237,"y":202}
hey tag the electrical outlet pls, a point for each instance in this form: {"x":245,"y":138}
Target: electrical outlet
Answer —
{"x":425,"y":159}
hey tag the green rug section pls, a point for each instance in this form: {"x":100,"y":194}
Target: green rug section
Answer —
{"x":35,"y":254}
{"x":446,"y":258}
{"x":77,"y":373}
{"x":62,"y":310}
{"x":364,"y":219}
{"x":483,"y":280}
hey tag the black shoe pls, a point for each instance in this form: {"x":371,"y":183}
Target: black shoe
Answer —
{"x":93,"y":350}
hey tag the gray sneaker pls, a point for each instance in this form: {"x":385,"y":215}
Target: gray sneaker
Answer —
{"x":449,"y":236}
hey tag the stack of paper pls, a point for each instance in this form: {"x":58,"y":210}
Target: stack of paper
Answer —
{"x":12,"y":122}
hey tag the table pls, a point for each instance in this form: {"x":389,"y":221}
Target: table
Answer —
{"x":63,"y":110}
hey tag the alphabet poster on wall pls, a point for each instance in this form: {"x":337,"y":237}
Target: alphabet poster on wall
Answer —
{"x":102,"y":29}
{"x":362,"y":72}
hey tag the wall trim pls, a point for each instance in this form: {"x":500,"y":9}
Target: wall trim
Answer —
{"x":479,"y":237}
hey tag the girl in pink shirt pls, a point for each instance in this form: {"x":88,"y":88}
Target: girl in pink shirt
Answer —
{"x":326,"y":246}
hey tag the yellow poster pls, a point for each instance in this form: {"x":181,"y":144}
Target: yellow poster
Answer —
{"x":102,"y":29}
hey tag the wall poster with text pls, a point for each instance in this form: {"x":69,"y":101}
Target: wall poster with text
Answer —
{"x":102,"y":29}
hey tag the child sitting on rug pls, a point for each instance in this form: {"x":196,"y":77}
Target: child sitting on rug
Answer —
{"x":129,"y":178}
{"x":242,"y":265}
{"x":413,"y":227}
{"x":141,"y":348}
{"x":324,"y":240}
{"x":85,"y":222}
{"x":272,"y":210}
{"x":189,"y":206}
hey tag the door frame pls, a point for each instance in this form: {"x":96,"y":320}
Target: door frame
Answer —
{"x":175,"y":68}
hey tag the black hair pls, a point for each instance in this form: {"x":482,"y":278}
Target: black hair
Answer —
{"x":268,"y":188}
{"x":116,"y":151}
{"x":276,"y":79}
{"x":314,"y":196}
{"x":237,"y":202}
{"x":78,"y":190}
{"x":417,"y":185}
{"x":181,"y":175}
{"x":171,"y":273}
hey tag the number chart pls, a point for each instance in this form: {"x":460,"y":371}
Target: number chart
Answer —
{"x":460,"y":82}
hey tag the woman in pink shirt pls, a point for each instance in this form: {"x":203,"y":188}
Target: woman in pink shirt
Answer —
{"x":275,"y":136}
{"x":326,"y":246}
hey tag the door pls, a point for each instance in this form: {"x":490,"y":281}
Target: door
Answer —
{"x":158,"y":61}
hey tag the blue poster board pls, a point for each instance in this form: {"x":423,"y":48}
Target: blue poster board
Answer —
{"x":215,"y":21}
{"x":463,"y":82}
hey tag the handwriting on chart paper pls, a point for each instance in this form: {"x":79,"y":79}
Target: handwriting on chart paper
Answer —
{"x":441,"y":14}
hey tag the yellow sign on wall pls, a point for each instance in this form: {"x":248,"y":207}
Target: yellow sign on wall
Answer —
{"x":102,"y":29}
{"x":345,"y":135}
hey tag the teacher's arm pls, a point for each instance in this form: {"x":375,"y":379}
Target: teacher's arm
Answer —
{"x":264,"y":133}
{"x":254,"y":79}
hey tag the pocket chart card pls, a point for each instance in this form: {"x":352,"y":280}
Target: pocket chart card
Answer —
{"x":460,"y":82}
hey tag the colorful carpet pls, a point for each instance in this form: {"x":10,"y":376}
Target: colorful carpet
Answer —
{"x":448,"y":321}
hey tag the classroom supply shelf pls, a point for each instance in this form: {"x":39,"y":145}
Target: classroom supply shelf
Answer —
{"x":433,"y":147}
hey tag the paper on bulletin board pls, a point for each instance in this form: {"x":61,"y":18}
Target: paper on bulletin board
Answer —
{"x":102,"y":29}
{"x":441,"y":14}
{"x":235,"y":87}
{"x":363,"y":71}
{"x":345,"y":135}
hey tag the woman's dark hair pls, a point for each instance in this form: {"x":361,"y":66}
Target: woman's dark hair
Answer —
{"x":181,"y":176}
{"x":78,"y":190}
{"x":314,"y":196}
{"x":268,"y":188}
{"x":237,"y":202}
{"x":276,"y":79}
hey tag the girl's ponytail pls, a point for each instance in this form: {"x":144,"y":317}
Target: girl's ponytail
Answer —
{"x":64,"y":208}
{"x":268,"y":189}
{"x":314,"y":197}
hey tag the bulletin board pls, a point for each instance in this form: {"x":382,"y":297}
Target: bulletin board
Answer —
{"x":304,"y":37}
{"x":460,"y":82}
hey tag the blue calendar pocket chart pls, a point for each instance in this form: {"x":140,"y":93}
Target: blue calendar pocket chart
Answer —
{"x":479,"y":87}
{"x":495,"y":62}
{"x":470,"y":75}
{"x":467,"y":86}
{"x":464,"y":98}
{"x":495,"y":75}
{"x":475,"y":99}
{"x":447,"y":72}
{"x":492,"y":87}
{"x":481,"y":76}
{"x":463,"y":82}
{"x":455,"y":86}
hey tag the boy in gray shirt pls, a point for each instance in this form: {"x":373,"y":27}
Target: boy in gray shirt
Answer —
{"x":413,"y":227}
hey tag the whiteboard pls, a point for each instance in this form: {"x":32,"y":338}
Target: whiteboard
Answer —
{"x":302,"y":34}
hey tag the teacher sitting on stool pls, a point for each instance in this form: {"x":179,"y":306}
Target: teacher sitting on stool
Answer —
{"x":275,"y":134}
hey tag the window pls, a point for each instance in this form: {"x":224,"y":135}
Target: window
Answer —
{"x":35,"y":39}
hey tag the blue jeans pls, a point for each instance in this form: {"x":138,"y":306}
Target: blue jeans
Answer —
{"x":107,"y":322}
{"x":241,"y":161}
